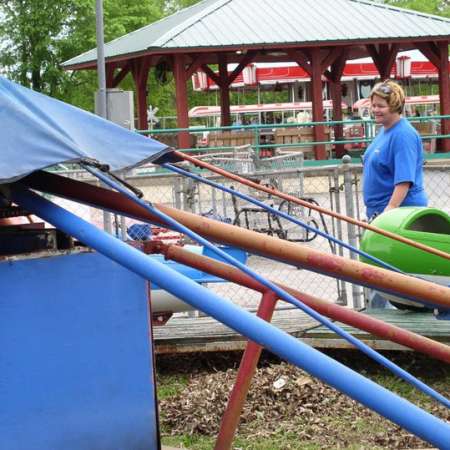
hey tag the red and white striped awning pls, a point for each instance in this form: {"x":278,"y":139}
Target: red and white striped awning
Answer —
{"x":278,"y":73}
{"x":208,"y":111}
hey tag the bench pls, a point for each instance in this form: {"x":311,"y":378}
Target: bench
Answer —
{"x":231,"y":138}
{"x":299,"y":135}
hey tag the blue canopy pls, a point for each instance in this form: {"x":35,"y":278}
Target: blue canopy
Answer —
{"x":39,"y":131}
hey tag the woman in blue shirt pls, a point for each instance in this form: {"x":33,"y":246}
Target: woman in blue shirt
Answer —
{"x":393,"y":163}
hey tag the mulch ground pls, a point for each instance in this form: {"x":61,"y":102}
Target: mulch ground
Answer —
{"x":284,"y":399}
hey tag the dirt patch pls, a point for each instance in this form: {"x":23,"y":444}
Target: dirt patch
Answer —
{"x":284,"y":399}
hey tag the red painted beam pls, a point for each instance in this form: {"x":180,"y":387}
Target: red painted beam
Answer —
{"x":317,"y":102}
{"x":247,"y":369}
{"x":250,"y":358}
{"x":274,"y":192}
{"x":251,"y":241}
{"x":444,"y":94}
{"x":179,"y":72}
{"x":333,"y":311}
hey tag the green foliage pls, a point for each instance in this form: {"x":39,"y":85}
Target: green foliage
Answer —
{"x":438,"y":7}
{"x":31,"y":33}
{"x":35,"y":37}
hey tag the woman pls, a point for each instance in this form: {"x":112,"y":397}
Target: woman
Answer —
{"x":393,"y":163}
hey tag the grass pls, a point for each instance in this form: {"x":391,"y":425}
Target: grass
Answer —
{"x":171,"y":385}
{"x":348,"y":428}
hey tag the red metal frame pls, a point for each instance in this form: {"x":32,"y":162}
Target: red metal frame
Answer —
{"x":250,"y":358}
{"x":273,"y":191}
{"x":255,"y":243}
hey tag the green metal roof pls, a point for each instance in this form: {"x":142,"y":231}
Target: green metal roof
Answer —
{"x":216,"y":24}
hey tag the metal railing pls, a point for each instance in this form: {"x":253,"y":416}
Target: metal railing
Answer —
{"x":259,"y":129}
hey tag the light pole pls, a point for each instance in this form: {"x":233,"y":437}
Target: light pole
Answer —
{"x":102,"y":108}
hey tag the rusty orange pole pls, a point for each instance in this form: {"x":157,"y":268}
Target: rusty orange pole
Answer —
{"x":255,"y":243}
{"x":247,"y":368}
{"x":272,"y":191}
{"x":350,"y":317}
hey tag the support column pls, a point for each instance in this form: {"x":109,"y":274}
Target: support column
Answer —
{"x":139,"y":69}
{"x":225,"y":118}
{"x":444,"y":94}
{"x":334,"y":76}
{"x":110,"y":68}
{"x":317,"y":103}
{"x":437,"y":54}
{"x":179,"y":73}
{"x":336,"y":97}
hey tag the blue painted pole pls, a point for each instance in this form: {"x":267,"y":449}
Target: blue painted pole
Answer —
{"x":282,"y":294}
{"x":277,"y":212}
{"x":359,"y":388}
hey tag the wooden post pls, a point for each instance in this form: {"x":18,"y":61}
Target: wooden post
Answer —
{"x":334,"y":76}
{"x":317,"y":102}
{"x":336,"y":97}
{"x":444,"y":94}
{"x":437,"y":54}
{"x":179,"y":73}
{"x":139,"y":69}
{"x":225,"y":119}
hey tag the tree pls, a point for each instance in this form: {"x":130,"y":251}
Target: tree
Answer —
{"x":35,"y":37}
{"x":30,"y":33}
{"x":438,"y":7}
{"x":120,"y":17}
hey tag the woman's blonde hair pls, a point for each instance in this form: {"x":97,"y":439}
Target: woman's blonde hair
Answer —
{"x":392,"y":92}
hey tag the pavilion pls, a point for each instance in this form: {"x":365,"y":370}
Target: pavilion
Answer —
{"x":318,"y":35}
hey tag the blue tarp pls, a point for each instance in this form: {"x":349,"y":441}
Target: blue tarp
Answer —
{"x":37,"y":131}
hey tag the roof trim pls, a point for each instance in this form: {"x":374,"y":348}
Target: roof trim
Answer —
{"x":408,"y":11}
{"x":151,"y":42}
{"x":325,"y":44}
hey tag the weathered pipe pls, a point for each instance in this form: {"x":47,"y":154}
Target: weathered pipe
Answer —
{"x":275,"y":192}
{"x":247,"y":368}
{"x":256,"y":243}
{"x":282,"y":294}
{"x":398,"y":410}
{"x":350,"y":317}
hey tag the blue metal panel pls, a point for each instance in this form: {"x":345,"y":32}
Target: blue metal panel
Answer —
{"x":76,"y":365}
{"x":198,"y":275}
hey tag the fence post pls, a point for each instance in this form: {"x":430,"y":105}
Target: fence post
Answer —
{"x":335,"y":190}
{"x":177,"y":191}
{"x":350,"y":211}
{"x":188,"y":195}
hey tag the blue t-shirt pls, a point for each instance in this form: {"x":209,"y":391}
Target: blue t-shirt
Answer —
{"x":395,"y":156}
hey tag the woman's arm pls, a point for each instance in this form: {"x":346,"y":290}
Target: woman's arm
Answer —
{"x":399,"y":194}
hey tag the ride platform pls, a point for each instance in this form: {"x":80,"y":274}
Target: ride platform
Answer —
{"x":204,"y":334}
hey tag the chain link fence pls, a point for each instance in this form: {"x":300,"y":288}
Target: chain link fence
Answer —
{"x":335,"y":187}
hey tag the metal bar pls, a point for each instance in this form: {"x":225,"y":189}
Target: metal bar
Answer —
{"x":286,"y":125}
{"x":334,"y":192}
{"x":268,"y":284}
{"x":339,"y":313}
{"x":255,"y":243}
{"x":389,"y":405}
{"x":352,"y":246}
{"x":270,"y":190}
{"x":351,"y":230}
{"x":101,"y":74}
{"x":246,"y":371}
{"x":280,"y":292}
